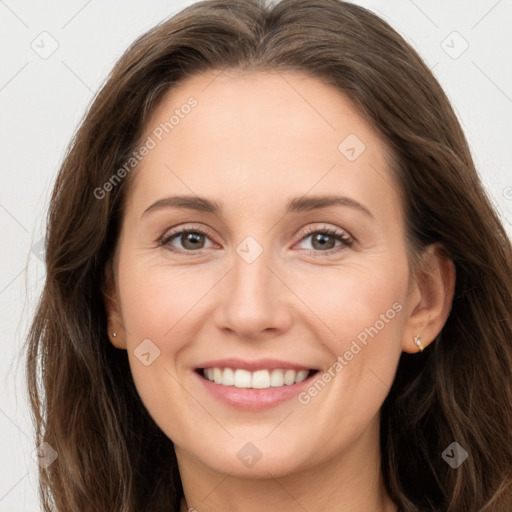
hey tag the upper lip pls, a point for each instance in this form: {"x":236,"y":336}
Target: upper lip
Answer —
{"x":256,"y":364}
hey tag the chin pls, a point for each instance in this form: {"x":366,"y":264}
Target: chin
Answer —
{"x":260,"y":459}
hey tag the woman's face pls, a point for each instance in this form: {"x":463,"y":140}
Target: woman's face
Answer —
{"x":295,"y":260}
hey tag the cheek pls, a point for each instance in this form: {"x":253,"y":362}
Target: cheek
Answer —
{"x":352,"y":300}
{"x":158,"y":304}
{"x":156,"y":299}
{"x":362,"y":317}
{"x":359,"y":314}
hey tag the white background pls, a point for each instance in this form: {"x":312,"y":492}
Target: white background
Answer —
{"x":43,"y":100}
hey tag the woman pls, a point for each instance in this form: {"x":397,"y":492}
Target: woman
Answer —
{"x":274,"y":279}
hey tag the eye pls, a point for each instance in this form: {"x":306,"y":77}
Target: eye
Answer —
{"x":190,"y":240}
{"x":324,"y":240}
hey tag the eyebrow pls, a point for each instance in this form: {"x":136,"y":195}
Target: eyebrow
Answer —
{"x":294,"y":205}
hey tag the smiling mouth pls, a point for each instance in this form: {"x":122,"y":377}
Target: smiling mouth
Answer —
{"x":259,"y":379}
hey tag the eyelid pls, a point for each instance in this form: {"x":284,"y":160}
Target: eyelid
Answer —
{"x":324,"y":228}
{"x":340,"y":234}
{"x":179,"y":228}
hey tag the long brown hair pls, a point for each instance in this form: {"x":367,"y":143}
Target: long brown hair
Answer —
{"x":111,"y":454}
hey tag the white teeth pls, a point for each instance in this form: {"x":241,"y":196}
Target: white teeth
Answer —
{"x":217,"y":375}
{"x":301,"y":375}
{"x":277,"y":378}
{"x":260,"y":379}
{"x":289,"y":377}
{"x":228,"y":377}
{"x":242,"y":379}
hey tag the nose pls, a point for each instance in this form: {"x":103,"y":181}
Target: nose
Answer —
{"x":254,"y":300}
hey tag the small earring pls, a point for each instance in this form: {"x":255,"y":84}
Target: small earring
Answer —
{"x":417,"y":341}
{"x":114,"y":335}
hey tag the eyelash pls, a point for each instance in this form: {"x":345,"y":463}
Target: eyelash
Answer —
{"x":340,"y":236}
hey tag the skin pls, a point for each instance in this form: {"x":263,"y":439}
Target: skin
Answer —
{"x":254,"y":141}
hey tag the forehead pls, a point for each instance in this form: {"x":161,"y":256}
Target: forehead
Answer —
{"x":259,"y":129}
{"x":263,"y":104}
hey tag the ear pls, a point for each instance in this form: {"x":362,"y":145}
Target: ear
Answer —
{"x":115,"y":322}
{"x":430,"y":298}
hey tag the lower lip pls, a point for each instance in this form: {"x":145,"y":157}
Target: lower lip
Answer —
{"x":253,"y":399}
